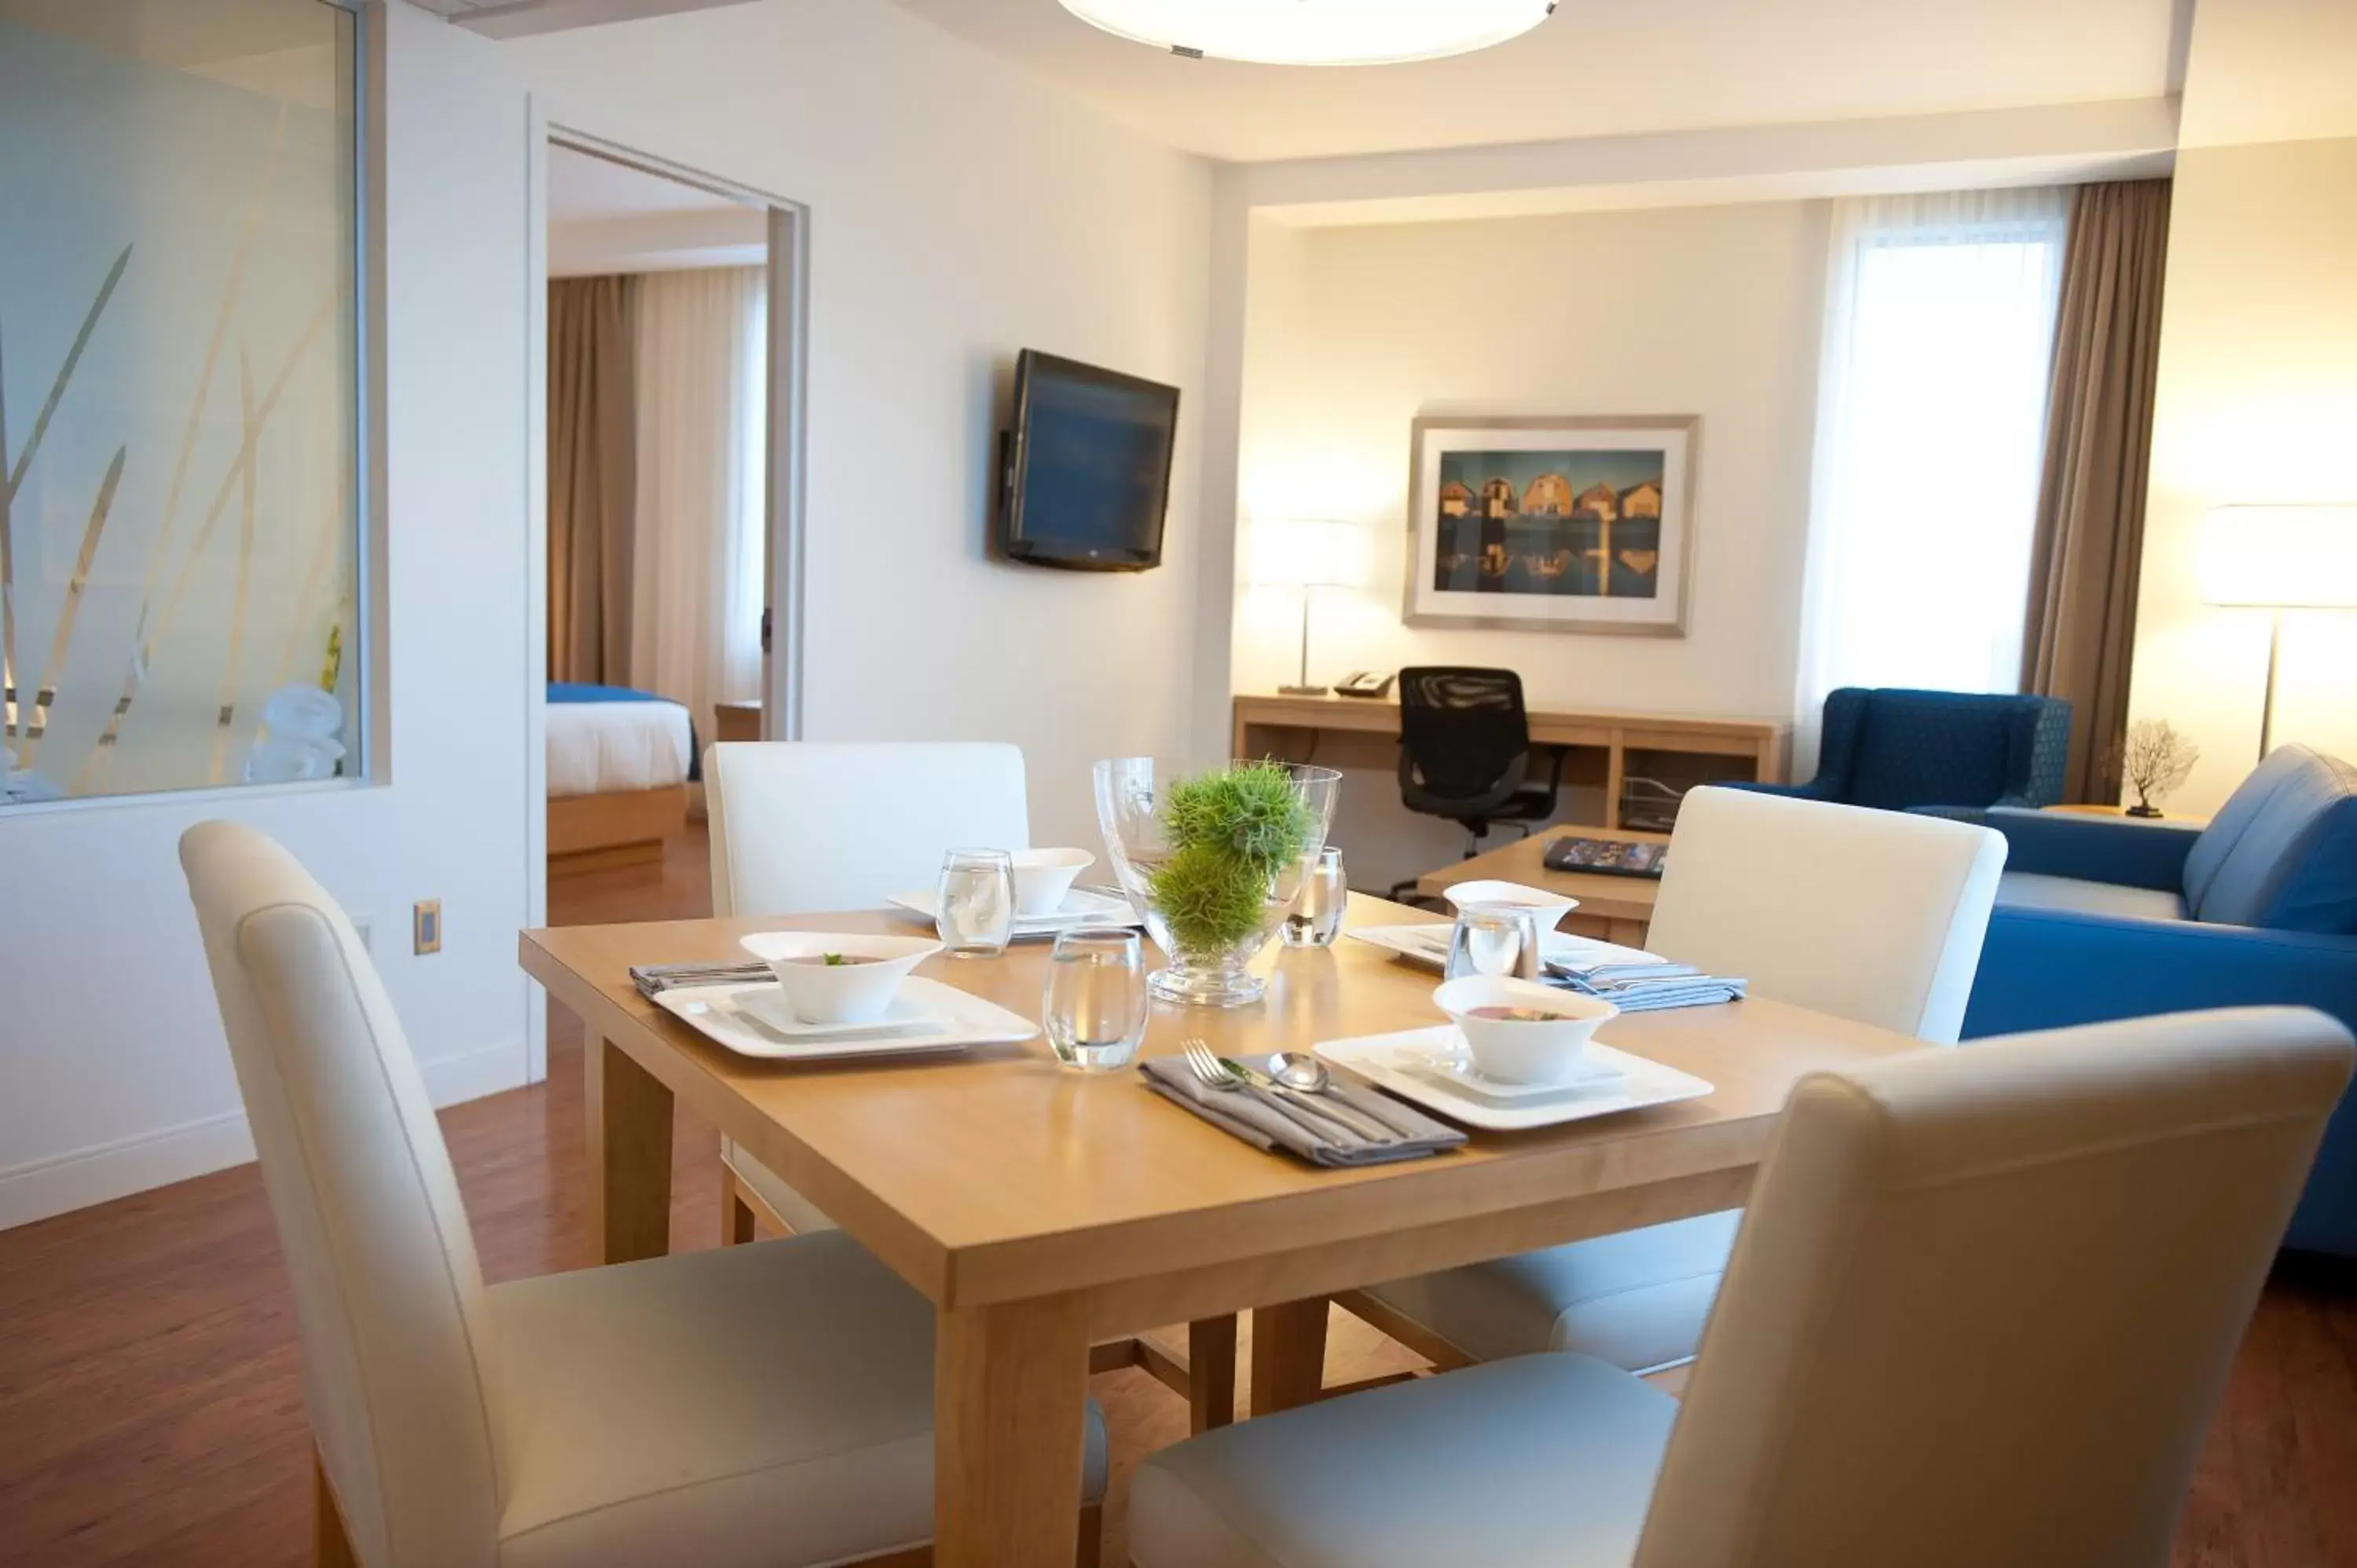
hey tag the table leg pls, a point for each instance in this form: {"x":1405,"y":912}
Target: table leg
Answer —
{"x":1010,"y":1391}
{"x":630,"y":1155}
{"x":1289,"y":1355}
{"x":1210,"y":1373}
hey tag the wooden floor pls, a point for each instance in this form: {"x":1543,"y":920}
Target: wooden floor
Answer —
{"x":149,"y":1412}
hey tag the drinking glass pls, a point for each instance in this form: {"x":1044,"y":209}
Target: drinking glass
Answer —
{"x":977,"y":915}
{"x":1095,"y":1005}
{"x":1495,"y":939}
{"x":1315,"y":918}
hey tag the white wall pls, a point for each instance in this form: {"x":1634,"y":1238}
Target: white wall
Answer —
{"x":960,"y":210}
{"x":1352,"y":332}
{"x":2257,"y":401}
{"x":116,"y":1077}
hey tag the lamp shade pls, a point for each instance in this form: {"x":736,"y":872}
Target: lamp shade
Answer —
{"x":1307,"y":552}
{"x":1314,"y":32}
{"x":2279,"y":557}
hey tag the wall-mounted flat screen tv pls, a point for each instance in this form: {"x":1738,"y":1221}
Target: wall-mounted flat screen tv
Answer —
{"x":1085,"y":472}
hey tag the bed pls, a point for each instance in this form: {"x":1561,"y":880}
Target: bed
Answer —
{"x":620,"y":765}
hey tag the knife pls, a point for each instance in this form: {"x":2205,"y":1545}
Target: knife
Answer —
{"x":1344,"y":1116}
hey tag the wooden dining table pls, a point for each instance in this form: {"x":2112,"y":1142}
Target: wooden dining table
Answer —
{"x":1043,"y":1210}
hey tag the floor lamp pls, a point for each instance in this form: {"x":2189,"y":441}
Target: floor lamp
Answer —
{"x":1307,"y":554}
{"x":2278,"y":558}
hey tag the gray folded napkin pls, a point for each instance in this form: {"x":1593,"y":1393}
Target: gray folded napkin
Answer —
{"x":1268,"y":1121}
{"x":654,"y":979}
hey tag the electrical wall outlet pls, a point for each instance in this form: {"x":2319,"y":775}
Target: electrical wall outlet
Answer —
{"x":425,"y":926}
{"x":364,"y":927}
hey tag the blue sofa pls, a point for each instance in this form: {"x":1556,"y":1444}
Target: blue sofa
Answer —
{"x":1896,"y":750}
{"x":2102,"y":918}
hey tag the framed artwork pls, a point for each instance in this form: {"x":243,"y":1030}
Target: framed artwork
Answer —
{"x":1551,"y":524}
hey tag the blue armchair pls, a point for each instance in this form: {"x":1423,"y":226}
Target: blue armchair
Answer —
{"x":1894,"y":748}
{"x":2100,"y":918}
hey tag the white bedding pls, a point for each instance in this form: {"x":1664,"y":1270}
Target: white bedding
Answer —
{"x":609,"y":748}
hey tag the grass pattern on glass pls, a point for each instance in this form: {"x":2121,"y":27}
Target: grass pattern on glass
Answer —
{"x":1229,"y":832}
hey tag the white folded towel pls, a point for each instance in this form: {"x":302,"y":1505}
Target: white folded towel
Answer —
{"x":304,"y":712}
{"x":20,"y":785}
{"x":297,"y":742}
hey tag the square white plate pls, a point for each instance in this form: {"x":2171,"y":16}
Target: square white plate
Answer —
{"x":1393,"y":1062}
{"x":962,"y":1020}
{"x":1426,"y":942}
{"x":1449,"y":1057}
{"x":766,"y":1002}
{"x":1081,"y":909}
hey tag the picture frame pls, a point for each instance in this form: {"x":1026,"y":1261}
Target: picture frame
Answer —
{"x":1568,"y":524}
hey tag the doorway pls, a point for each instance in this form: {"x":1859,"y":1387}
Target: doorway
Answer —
{"x":669,"y":309}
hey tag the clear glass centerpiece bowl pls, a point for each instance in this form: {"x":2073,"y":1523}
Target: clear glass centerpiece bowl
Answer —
{"x":1212,"y":859}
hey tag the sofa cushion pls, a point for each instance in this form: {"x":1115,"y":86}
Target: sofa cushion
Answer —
{"x":2035,"y":891}
{"x":2235,"y":817}
{"x":2282,"y":853}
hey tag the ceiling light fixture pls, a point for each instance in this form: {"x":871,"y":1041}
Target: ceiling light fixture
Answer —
{"x":1314,"y":32}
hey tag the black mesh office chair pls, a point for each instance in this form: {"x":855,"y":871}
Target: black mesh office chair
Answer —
{"x":1464,"y":751}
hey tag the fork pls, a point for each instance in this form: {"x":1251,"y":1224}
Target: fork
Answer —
{"x":1212,"y":1072}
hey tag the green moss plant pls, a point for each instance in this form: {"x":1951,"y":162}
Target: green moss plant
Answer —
{"x":1229,"y":832}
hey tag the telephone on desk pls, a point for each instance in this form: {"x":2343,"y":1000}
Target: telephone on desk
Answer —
{"x":1365,"y":683}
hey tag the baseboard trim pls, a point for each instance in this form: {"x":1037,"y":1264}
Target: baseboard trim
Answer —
{"x":103,"y":1172}
{"x":454,"y":1080}
{"x":77,"y":1178}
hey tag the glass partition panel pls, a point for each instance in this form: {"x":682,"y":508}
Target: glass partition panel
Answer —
{"x":180,"y":395}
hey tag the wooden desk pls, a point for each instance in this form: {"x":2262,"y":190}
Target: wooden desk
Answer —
{"x":1041,"y":1209}
{"x":1358,"y":732}
{"x":1613,"y":909}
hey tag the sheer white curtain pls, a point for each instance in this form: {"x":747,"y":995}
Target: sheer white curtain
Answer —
{"x":1939,"y":337}
{"x":697,"y":574}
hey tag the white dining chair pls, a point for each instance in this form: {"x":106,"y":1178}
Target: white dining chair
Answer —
{"x":1982,"y":1308}
{"x":1877,"y":917}
{"x":756,"y":1407}
{"x":802,"y":827}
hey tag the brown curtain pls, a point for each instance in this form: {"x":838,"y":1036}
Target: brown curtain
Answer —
{"x":592,"y":478}
{"x":2090,"y":539}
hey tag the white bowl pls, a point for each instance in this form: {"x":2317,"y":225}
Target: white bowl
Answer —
{"x":1042,"y":877}
{"x":822,"y":993}
{"x":1550,"y":908}
{"x":1515,"y":1051}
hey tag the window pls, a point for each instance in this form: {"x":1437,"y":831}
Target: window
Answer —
{"x":180,"y":396}
{"x":700,"y":543}
{"x":1931,"y":422}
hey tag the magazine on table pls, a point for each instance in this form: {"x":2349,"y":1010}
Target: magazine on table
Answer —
{"x":1608,"y":857}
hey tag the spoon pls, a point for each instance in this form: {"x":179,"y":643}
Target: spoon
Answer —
{"x":1307,"y":1075}
{"x":1295,"y":1070}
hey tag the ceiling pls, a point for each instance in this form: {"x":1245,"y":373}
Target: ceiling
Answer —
{"x":1609,"y":67}
{"x":606,"y":217}
{"x":585,"y":188}
{"x":522,"y":18}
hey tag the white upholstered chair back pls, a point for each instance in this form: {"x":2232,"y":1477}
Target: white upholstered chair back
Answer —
{"x":1873,"y":916}
{"x":1984,"y":1303}
{"x":799,"y":826}
{"x":389,"y":1302}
